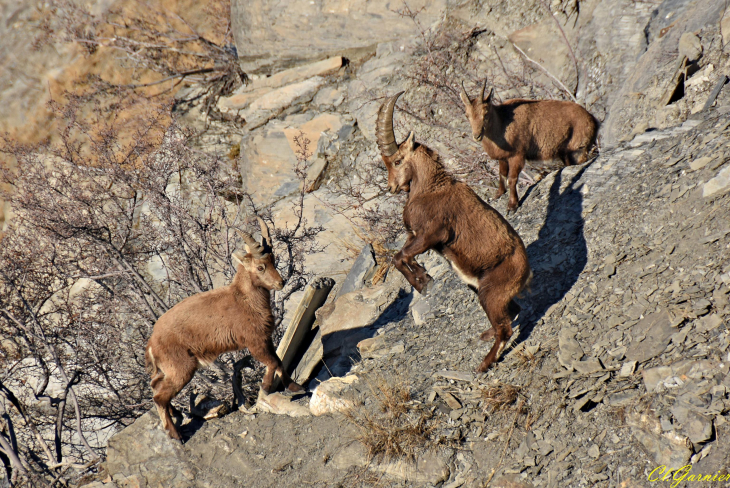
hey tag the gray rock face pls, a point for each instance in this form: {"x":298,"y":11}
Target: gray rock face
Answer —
{"x":280,"y":34}
{"x":351,"y":319}
{"x":145,"y":455}
{"x":363,"y":265}
{"x":651,"y":76}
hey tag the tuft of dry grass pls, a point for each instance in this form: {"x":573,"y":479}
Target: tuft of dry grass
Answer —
{"x":499,"y":396}
{"x":393,"y":426}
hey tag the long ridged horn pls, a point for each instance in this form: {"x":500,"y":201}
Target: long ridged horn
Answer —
{"x":384,"y":127}
{"x":252,"y":246}
{"x":265,"y":235}
{"x":484,"y":87}
{"x":464,"y":95}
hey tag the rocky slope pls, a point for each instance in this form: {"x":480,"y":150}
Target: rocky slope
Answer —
{"x":620,"y":363}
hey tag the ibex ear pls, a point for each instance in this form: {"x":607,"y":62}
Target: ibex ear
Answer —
{"x":237,"y":258}
{"x":489,"y":97}
{"x":410,"y":142}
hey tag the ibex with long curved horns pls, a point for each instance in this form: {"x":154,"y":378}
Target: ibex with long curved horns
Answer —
{"x":446,"y":215}
{"x":201,"y":327}
{"x":521,"y":129}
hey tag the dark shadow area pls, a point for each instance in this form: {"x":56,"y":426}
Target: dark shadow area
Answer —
{"x":191,"y":428}
{"x":559,"y":254}
{"x":340,"y":348}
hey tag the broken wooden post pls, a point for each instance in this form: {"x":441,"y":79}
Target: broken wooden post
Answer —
{"x":311,"y":358}
{"x":301,"y":322}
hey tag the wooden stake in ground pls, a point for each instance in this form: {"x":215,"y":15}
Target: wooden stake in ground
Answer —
{"x":301,"y":323}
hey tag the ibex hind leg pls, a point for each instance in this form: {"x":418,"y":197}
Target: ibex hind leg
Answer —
{"x":162,"y":399}
{"x":579,"y":156}
{"x":495,"y":298}
{"x":166,"y":389}
{"x":513,"y":310}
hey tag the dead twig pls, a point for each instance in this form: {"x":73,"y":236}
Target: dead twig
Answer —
{"x":565,"y":39}
{"x":544,"y":70}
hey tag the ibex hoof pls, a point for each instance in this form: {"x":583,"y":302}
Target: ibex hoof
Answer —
{"x":427,"y":286}
{"x":295,"y":388}
{"x":174,"y":435}
{"x":484,"y":366}
{"x":487,"y":335}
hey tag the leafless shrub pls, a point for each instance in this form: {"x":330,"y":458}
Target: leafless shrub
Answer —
{"x":393,"y":426}
{"x":106,"y":235}
{"x":159,"y":48}
{"x":363,"y":198}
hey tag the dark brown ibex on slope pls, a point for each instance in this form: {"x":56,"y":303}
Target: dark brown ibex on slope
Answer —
{"x":521,"y":129}
{"x":446,"y":215}
{"x":201,"y":327}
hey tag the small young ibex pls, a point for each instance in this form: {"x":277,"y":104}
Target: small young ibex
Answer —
{"x":198,"y":329}
{"x":521,"y":129}
{"x":446,"y":215}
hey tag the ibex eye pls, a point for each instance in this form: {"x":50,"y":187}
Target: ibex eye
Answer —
{"x":260,"y":268}
{"x":397,"y":163}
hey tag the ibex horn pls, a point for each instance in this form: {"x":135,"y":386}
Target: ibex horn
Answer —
{"x":384,"y":127}
{"x":484,"y":87}
{"x":464,"y":95}
{"x":265,"y":235}
{"x":252,"y":246}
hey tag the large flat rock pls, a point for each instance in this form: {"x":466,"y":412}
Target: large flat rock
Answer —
{"x":272,"y":103}
{"x":338,"y":242}
{"x":144,"y":453}
{"x":261,"y":86}
{"x":269,"y":154}
{"x":345,"y":323}
{"x":284,"y":34}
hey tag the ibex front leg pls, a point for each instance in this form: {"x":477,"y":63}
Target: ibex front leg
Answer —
{"x":406,"y":264}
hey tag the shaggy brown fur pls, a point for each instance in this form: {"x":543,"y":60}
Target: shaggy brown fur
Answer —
{"x":529,"y":129}
{"x":198,"y":329}
{"x":446,"y":215}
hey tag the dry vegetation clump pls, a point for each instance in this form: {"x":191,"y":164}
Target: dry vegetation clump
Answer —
{"x":392,"y":425}
{"x":499,"y":396}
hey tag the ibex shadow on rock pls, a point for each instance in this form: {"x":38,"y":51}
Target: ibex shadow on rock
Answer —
{"x":445,"y":215}
{"x":198,"y":329}
{"x":537,"y":130}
